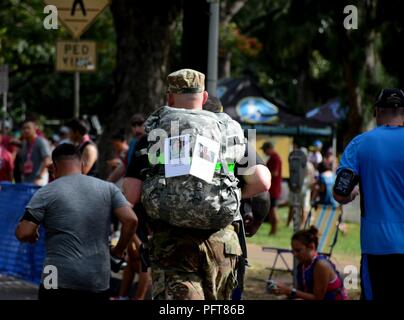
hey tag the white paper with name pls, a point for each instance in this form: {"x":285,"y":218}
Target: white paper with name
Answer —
{"x":176,"y":155}
{"x":204,"y":158}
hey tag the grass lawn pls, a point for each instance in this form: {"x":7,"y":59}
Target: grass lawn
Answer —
{"x":346,"y":252}
{"x":348,"y":243}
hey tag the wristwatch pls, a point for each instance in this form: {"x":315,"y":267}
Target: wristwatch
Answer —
{"x":293,"y":293}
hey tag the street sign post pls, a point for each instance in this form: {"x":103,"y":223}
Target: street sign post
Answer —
{"x":76,"y":56}
{"x":78,"y":15}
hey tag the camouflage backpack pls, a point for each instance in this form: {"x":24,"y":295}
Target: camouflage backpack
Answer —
{"x":188,"y":201}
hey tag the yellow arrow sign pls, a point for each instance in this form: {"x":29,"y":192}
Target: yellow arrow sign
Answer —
{"x":77,"y":15}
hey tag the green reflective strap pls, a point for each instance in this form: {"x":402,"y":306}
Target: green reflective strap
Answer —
{"x":218,"y":166}
{"x":231,"y":167}
{"x":160,"y":158}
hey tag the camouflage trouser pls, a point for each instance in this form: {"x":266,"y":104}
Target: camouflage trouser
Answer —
{"x":191,"y":266}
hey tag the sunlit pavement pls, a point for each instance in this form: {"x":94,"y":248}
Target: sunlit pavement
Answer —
{"x":15,"y":289}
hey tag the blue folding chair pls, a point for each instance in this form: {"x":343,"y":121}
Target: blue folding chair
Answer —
{"x":327,"y":220}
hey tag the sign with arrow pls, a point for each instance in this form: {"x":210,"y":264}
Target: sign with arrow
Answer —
{"x":77,"y":15}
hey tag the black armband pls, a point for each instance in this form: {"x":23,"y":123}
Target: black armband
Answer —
{"x":260,"y":205}
{"x":245,"y":207}
{"x":29,"y":217}
{"x":345,"y":182}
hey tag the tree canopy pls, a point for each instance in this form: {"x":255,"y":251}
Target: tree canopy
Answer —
{"x":298,"y":50}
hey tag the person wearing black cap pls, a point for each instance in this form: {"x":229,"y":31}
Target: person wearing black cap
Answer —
{"x":375,"y":160}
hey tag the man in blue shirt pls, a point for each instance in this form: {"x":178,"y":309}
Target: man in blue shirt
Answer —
{"x":375,"y":160}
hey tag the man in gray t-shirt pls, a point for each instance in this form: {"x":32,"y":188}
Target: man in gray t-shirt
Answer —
{"x":76,"y":210}
{"x":34,"y":156}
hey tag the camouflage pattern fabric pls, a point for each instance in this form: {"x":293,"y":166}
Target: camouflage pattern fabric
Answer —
{"x":194,"y":265}
{"x":186,"y":81}
{"x":187,"y":201}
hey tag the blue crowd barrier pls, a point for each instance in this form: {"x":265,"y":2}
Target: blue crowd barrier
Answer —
{"x":22,"y":260}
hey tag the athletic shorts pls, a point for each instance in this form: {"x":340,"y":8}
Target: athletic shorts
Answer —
{"x":382,"y":276}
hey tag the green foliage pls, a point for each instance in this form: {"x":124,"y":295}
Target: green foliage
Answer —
{"x":348,"y":243}
{"x":29,"y":49}
{"x":305,"y":47}
{"x":232,"y":40}
{"x":296,"y":49}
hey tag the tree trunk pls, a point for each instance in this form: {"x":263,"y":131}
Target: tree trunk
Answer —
{"x":143,"y":33}
{"x":355,"y":119}
{"x":228,"y":9}
{"x":352,"y":71}
{"x":224,"y":68}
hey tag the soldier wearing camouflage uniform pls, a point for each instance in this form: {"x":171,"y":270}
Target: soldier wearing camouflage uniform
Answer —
{"x":189,"y":263}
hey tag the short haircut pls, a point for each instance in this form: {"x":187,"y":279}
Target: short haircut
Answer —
{"x":77,"y":125}
{"x":390,"y":112}
{"x":137,"y":120}
{"x":65,"y":151}
{"x":324,"y":166}
{"x":31,"y":117}
{"x":119,"y":135}
{"x":27,"y":120}
{"x":213,"y":104}
{"x":267,"y":145}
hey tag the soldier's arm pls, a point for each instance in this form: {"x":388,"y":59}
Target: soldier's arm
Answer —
{"x":132,"y":189}
{"x":257,"y":180}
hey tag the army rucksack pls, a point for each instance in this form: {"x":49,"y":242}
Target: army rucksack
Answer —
{"x":186,"y":200}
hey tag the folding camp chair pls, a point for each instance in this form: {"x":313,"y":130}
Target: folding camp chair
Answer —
{"x":327,"y":220}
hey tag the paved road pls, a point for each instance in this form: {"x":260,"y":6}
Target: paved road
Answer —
{"x":15,"y":289}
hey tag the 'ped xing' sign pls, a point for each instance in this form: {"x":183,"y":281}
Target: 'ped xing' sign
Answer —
{"x":72,"y":56}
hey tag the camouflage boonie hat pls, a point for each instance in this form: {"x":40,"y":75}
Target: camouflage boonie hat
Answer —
{"x":186,"y":81}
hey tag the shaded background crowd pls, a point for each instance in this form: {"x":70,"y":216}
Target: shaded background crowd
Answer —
{"x":25,"y":150}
